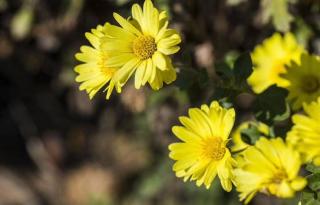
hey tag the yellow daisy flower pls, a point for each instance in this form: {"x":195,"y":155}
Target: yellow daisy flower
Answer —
{"x":304,"y":81}
{"x":305,"y":134}
{"x":270,"y":167}
{"x":93,"y":72}
{"x":203,"y":154}
{"x":270,"y":60}
{"x":238,"y":143}
{"x":142,"y":45}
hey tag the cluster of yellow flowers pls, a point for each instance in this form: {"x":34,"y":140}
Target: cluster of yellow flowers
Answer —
{"x":282,"y":61}
{"x":142,"y":44}
{"x":270,"y":166}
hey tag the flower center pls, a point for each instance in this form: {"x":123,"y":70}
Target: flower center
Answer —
{"x":310,"y":84}
{"x":213,"y":148}
{"x":144,"y":47}
{"x":279,"y":176}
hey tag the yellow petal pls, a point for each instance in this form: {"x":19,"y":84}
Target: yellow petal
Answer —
{"x":119,"y":33}
{"x":139,"y":74}
{"x":94,"y":40}
{"x":126,"y":25}
{"x":160,"y":61}
{"x":298,"y":183}
{"x":169,"y":42}
{"x":119,"y":60}
{"x":169,"y":51}
{"x":124,"y":73}
{"x":151,"y":18}
{"x":137,"y":13}
{"x":148,"y":72}
{"x":184,"y":134}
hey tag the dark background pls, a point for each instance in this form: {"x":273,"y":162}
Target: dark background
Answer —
{"x":58,"y":147}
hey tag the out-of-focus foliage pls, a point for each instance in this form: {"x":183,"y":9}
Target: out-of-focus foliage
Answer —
{"x":22,"y":21}
{"x":57,"y":147}
{"x":277,"y":11}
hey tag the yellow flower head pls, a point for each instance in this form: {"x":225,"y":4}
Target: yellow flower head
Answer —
{"x":93,"y":72}
{"x":203,"y":154}
{"x":238,"y":143}
{"x":271,"y":167}
{"x":305,"y":134}
{"x":304,"y":81}
{"x":270,"y":60}
{"x":142,"y":45}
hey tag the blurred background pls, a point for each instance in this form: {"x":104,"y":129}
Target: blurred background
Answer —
{"x":59,"y":148}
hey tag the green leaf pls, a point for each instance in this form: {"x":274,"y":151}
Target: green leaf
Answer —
{"x":189,"y":77}
{"x":270,"y":105}
{"x":234,"y":74}
{"x":223,"y":70}
{"x":203,"y":78}
{"x":242,"y":68}
{"x":314,"y":182}
{"x":233,"y":77}
{"x":309,"y":198}
{"x":224,"y":102}
{"x":312,"y":202}
{"x":251,"y":134}
{"x":224,"y":94}
{"x":283,"y":116}
{"x":186,"y":78}
{"x":313,"y":168}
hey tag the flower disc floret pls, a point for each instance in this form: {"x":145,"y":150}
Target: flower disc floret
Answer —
{"x":144,"y":47}
{"x":213,"y":148}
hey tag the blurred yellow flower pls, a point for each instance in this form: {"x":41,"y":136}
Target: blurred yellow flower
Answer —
{"x":304,"y":81}
{"x":270,"y":167}
{"x":238,"y":143}
{"x":203,"y":154}
{"x":93,"y":72}
{"x":305,"y":134}
{"x":270,"y":60}
{"x":142,"y":45}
